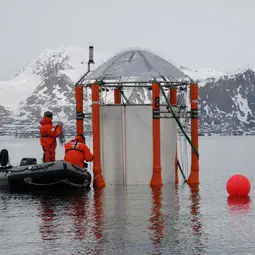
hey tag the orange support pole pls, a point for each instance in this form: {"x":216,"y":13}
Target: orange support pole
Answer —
{"x":117,"y":96}
{"x":194,"y":174}
{"x":156,"y":179}
{"x":173,"y":96}
{"x":79,"y":109}
{"x":98,"y":178}
{"x":173,"y":101}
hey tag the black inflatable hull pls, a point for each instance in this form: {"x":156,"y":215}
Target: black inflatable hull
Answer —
{"x":47,"y":175}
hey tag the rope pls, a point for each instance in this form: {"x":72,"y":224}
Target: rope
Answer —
{"x":185,"y":144}
{"x":181,"y":167}
{"x":95,"y":177}
{"x":186,"y":153}
{"x":181,"y":141}
{"x":181,"y":151}
{"x":178,"y":163}
{"x":5,"y":168}
{"x":28,"y":180}
{"x":62,"y":138}
{"x":178,"y":122}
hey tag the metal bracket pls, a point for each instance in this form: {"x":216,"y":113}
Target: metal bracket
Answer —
{"x":80,"y":115}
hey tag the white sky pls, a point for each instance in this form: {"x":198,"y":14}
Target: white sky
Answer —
{"x":195,"y":33}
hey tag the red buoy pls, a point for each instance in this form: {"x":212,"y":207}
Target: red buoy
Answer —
{"x":238,"y":185}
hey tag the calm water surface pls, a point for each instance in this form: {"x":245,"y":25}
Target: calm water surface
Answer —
{"x":137,"y":219}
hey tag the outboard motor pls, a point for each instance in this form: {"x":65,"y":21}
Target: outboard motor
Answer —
{"x":28,"y":161}
{"x":4,"y":157}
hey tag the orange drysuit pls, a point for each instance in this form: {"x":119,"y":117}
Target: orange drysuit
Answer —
{"x":49,"y":133}
{"x":76,"y":152}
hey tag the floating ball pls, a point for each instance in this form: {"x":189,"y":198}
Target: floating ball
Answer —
{"x":238,"y":185}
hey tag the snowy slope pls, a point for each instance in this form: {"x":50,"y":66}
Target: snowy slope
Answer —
{"x":18,"y":89}
{"x":227,"y":104}
{"x":204,"y":73}
{"x":250,"y":66}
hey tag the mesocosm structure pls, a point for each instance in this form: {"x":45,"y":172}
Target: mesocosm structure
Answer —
{"x":135,"y":140}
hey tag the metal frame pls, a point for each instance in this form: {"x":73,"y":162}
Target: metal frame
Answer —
{"x":135,"y":84}
{"x":158,"y":86}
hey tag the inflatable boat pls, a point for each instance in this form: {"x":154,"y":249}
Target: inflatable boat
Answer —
{"x":29,"y":174}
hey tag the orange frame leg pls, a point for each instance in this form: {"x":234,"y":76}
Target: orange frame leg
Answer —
{"x":79,"y":109}
{"x":117,"y":96}
{"x":97,"y":170}
{"x":194,"y":174}
{"x":156,"y":179}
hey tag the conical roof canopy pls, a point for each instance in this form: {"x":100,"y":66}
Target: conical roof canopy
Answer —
{"x":137,"y":65}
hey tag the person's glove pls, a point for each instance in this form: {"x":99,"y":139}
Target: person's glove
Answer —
{"x":60,"y":124}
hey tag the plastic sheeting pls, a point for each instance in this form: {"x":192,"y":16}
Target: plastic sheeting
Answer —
{"x":111,"y":144}
{"x":133,"y":64}
{"x":126,"y":145}
{"x":138,"y":149}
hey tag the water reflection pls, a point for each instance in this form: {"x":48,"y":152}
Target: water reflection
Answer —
{"x":156,"y":219}
{"x":86,"y":211}
{"x":239,"y":223}
{"x":47,"y":214}
{"x":194,"y":209}
{"x":239,"y":205}
{"x":120,"y":233}
{"x":75,"y":218}
{"x":195,"y":219}
{"x":78,"y":210}
{"x":98,"y":223}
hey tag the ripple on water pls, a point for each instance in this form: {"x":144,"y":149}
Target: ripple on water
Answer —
{"x":138,"y":219}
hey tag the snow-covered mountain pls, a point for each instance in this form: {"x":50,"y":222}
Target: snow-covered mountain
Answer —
{"x":228,"y":103}
{"x":47,"y":82}
{"x":200,"y":75}
{"x":63,"y":62}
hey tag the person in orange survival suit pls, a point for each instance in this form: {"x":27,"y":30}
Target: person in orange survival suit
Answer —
{"x":76,"y":152}
{"x":49,"y":133}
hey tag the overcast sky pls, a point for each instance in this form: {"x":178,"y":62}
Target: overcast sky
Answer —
{"x":195,"y":33}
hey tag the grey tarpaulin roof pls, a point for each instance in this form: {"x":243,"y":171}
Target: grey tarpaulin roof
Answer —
{"x":138,"y":65}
